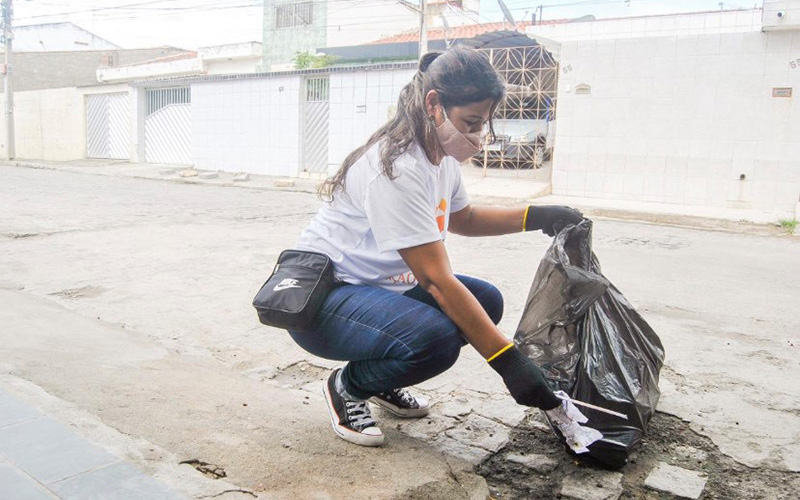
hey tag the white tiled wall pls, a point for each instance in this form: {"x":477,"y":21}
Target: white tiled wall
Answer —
{"x":637,"y":27}
{"x":255,"y":125}
{"x":360,"y":104}
{"x":248,"y":125}
{"x":679,"y":119}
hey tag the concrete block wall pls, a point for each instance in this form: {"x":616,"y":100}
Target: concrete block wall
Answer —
{"x":679,"y":119}
{"x":48,"y":125}
{"x":360,"y":103}
{"x":247,"y":125}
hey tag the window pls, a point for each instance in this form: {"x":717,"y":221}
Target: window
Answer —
{"x":292,"y":15}
{"x":156,"y":99}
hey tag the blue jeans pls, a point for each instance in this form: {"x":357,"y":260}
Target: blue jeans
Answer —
{"x":390,"y":340}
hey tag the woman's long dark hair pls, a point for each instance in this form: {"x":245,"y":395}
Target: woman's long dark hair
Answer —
{"x":460,"y":76}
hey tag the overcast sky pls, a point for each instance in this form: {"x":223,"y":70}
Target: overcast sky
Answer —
{"x":196,"y":23}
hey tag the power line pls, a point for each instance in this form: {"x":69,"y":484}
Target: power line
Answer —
{"x":139,"y":5}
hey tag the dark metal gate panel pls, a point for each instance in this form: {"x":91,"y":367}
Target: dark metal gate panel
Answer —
{"x":168,"y":126}
{"x":315,"y":131}
{"x":524,"y":121}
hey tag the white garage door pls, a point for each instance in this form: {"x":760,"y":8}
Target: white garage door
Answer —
{"x":108,"y":126}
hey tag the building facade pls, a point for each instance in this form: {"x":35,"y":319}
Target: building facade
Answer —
{"x":292,"y":26}
{"x":696,"y":109}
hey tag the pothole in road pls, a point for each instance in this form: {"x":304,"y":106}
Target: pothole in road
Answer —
{"x":207,"y":469}
{"x":668,"y":440}
{"x":300,"y":374}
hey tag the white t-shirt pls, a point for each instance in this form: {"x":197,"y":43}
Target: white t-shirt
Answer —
{"x":362,"y":229}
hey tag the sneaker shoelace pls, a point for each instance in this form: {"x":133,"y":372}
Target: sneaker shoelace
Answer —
{"x":358,"y":414}
{"x":404,"y":396}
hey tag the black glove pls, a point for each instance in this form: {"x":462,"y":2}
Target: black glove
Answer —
{"x":524,"y":380}
{"x":551,"y":218}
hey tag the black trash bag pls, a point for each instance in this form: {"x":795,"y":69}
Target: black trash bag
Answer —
{"x":592,"y":344}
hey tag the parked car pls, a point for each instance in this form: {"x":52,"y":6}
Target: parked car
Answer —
{"x":519,"y":144}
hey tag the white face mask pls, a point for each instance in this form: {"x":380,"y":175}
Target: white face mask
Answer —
{"x":460,"y":146}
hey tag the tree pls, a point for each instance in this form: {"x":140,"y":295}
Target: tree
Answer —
{"x":307,"y":60}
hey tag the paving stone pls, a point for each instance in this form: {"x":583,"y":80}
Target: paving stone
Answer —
{"x":49,"y":451}
{"x":539,"y":463}
{"x":450,"y":446}
{"x":677,"y":481}
{"x":287,"y":183}
{"x":241,"y":177}
{"x":118,"y":481}
{"x":14,"y":484}
{"x":427,"y":427}
{"x":481,"y":432}
{"x":503,"y":409}
{"x":587,"y":484}
{"x":188,"y":173}
{"x":456,"y":407}
{"x":13,"y":411}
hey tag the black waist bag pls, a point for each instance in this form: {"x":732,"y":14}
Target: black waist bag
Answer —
{"x":293,"y":294}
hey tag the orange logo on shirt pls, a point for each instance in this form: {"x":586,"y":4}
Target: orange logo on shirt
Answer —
{"x":441,"y":210}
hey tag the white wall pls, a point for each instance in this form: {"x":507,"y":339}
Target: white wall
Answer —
{"x":679,"y":118}
{"x":637,"y":27}
{"x":247,"y":125}
{"x":790,"y":14}
{"x":57,"y":37}
{"x":48,"y":125}
{"x":360,"y":104}
{"x":232,"y":66}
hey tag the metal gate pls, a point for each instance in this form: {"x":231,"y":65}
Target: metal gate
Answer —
{"x":168,"y":126}
{"x":525,"y":121}
{"x":315,"y":131}
{"x":108,"y":126}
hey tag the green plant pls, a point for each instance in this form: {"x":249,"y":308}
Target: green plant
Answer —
{"x":788,"y":225}
{"x":307,"y":60}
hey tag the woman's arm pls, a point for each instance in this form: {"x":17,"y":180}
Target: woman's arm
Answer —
{"x":492,"y":221}
{"x":431,"y":266}
{"x":522,"y":377}
{"x":487,"y":220}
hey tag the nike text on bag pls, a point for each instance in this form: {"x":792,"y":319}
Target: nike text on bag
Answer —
{"x":296,"y":290}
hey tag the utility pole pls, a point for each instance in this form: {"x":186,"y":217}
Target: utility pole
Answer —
{"x":8,"y":36}
{"x":423,"y":28}
{"x":423,"y":23}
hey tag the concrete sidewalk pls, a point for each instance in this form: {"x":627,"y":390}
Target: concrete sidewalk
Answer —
{"x":178,"y":417}
{"x":40,"y":458}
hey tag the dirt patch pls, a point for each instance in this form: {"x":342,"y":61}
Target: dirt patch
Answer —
{"x":301,"y":373}
{"x":668,"y":440}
